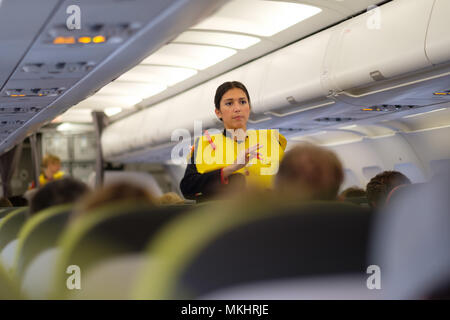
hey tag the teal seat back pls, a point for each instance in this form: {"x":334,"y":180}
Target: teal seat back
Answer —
{"x":11,"y":224}
{"x":108,"y":232}
{"x":39,"y":233}
{"x":5,"y":211}
{"x":8,"y":288}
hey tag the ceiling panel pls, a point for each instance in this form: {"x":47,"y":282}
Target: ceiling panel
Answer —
{"x":101,"y":102}
{"x":330,"y":13}
{"x":255,"y":17}
{"x":189,"y":55}
{"x":134,"y":89}
{"x":158,"y":74}
{"x":198,"y":54}
{"x":231,"y":40}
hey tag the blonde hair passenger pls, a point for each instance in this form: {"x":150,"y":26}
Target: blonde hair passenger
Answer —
{"x":112,"y":193}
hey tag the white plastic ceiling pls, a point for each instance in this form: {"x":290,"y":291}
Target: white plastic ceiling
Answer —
{"x":40,"y":80}
{"x":371,"y":68}
{"x":242,"y":30}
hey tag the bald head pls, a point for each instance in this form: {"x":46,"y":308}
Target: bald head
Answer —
{"x":310,"y":173}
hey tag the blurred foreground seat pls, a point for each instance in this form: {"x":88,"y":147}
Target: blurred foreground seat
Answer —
{"x":310,"y":251}
{"x":36,"y":250}
{"x":9,"y":229}
{"x":411,"y":242}
{"x":8,"y":288}
{"x":109,"y":239}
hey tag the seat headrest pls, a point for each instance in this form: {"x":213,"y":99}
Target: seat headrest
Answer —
{"x":411,"y":241}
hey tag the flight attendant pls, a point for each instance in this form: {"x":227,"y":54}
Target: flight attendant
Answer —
{"x":235,"y":158}
{"x":51,"y":170}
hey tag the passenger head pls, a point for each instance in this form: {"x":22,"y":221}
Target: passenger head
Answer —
{"x":352,"y":192}
{"x":170,"y":198}
{"x":51,"y":164}
{"x":309,"y":172}
{"x":115,"y":192}
{"x":67,"y":190}
{"x":382,"y":184}
{"x":232,"y":103}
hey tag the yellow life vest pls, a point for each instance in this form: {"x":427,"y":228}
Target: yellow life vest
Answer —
{"x":43,"y":180}
{"x":217,"y":151}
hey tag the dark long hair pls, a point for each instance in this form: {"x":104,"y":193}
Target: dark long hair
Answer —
{"x":224,"y":87}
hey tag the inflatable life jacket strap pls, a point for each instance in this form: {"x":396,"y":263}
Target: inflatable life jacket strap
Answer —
{"x":211,"y":142}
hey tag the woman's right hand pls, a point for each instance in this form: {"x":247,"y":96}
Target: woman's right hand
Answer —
{"x":243,"y":158}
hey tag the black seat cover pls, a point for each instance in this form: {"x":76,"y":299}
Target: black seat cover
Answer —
{"x":312,"y":240}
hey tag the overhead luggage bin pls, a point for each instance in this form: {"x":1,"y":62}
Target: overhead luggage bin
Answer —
{"x":379,"y":45}
{"x":438,"y":40}
{"x":193,"y":105}
{"x":293,"y":80}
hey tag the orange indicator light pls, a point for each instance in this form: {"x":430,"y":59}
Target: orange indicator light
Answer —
{"x":64,"y":40}
{"x":84,"y":39}
{"x":99,"y":39}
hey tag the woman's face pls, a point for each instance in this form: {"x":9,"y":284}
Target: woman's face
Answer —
{"x":54,"y":167}
{"x":234,"y":109}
